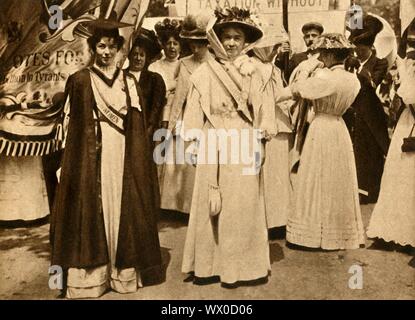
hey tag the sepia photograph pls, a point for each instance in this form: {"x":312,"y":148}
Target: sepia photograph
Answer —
{"x":217,"y":150}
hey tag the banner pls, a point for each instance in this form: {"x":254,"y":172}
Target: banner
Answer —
{"x":37,"y":59}
{"x":262,"y":6}
{"x":330,"y":13}
{"x":407,"y":13}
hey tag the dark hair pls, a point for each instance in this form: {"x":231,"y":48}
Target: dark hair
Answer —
{"x":221,"y":29}
{"x":164,"y":38}
{"x":338,"y":54}
{"x":342,"y":56}
{"x":101,"y":33}
{"x":151,"y":53}
{"x":198,"y":41}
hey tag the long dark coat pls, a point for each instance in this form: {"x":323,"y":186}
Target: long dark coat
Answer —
{"x":153,"y":90}
{"x":77,"y":226}
{"x":367,"y":124}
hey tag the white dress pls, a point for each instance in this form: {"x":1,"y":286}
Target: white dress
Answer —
{"x":177,"y":175}
{"x":23,"y":194}
{"x":233,"y":244}
{"x":169,"y":72}
{"x":89,"y":283}
{"x":327,"y":211}
{"x":276,"y":169}
{"x":393,"y":218}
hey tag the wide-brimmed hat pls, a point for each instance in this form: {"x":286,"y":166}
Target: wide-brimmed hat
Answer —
{"x":168,"y":28}
{"x":110,"y":23}
{"x":239,"y":18}
{"x":194,"y":27}
{"x":148,"y":39}
{"x":331,"y":41}
{"x":313,"y":25}
{"x":367,"y":34}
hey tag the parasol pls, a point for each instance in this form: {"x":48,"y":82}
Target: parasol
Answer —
{"x":386,"y":44}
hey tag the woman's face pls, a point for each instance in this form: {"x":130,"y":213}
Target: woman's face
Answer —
{"x":172,"y":48}
{"x":233,"y":40}
{"x":137,"y":58}
{"x":105,"y":52}
{"x":198,"y":48}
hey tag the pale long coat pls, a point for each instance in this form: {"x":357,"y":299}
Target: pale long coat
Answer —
{"x":233,"y":244}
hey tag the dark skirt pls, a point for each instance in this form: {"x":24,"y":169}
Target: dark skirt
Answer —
{"x":370,"y":158}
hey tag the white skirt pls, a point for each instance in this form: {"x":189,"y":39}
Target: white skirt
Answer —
{"x":234,"y":244}
{"x":277,"y":185}
{"x":393,"y":218}
{"x":92,"y":283}
{"x":177,"y":177}
{"x":23,"y":194}
{"x":327,"y":211}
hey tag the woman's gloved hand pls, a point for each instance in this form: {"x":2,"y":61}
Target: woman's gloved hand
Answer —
{"x":215,"y":200}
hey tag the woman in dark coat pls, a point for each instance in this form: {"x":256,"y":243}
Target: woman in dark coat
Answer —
{"x":146,"y":88}
{"x":104,"y":222}
{"x":144,"y":51}
{"x":366,"y":119}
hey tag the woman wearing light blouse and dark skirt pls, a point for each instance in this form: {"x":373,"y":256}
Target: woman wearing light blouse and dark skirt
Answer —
{"x":145,"y":50}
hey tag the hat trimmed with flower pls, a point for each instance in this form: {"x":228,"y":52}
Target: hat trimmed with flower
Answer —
{"x":194,"y":27}
{"x":239,"y":18}
{"x":168,"y":28}
{"x":331,"y":41}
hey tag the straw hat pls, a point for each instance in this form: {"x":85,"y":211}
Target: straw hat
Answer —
{"x":194,"y":27}
{"x":239,"y":18}
{"x":331,"y":41}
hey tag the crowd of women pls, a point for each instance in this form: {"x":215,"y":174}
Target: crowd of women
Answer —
{"x":104,"y":218}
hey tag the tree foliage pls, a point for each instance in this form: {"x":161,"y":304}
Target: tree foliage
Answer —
{"x":156,"y":9}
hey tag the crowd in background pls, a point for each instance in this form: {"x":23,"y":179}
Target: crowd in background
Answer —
{"x":336,"y":131}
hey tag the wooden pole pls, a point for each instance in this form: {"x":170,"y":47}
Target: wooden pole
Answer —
{"x":285,"y":24}
{"x":109,"y":10}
